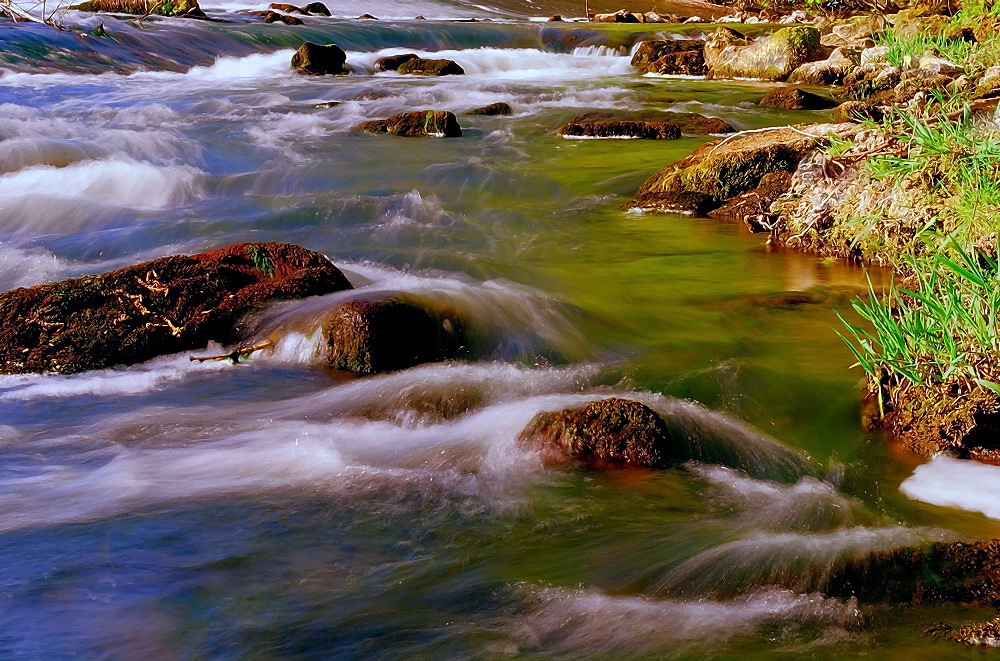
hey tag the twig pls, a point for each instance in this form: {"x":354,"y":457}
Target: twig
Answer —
{"x":236,"y":354}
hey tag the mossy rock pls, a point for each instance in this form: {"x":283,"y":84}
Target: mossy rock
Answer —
{"x":393,"y":62}
{"x":620,"y":128}
{"x":609,"y":433}
{"x":670,"y":57}
{"x":160,"y":307}
{"x":495,"y":110}
{"x":791,"y":98}
{"x":419,"y":66}
{"x":370,"y":336}
{"x":774,"y":57}
{"x":830,"y":71}
{"x":433,"y":123}
{"x":140,"y":7}
{"x":319,"y":60}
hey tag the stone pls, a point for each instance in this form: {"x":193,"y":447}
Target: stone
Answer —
{"x":288,"y":9}
{"x":556,"y":18}
{"x":939,"y":65}
{"x":858,"y":111}
{"x":988,"y":85}
{"x":868,"y":79}
{"x":670,"y":57}
{"x":875,"y":55}
{"x":495,"y":109}
{"x":159,"y":307}
{"x":187,"y":8}
{"x":620,"y":128}
{"x":433,"y":123}
{"x":791,"y":98}
{"x":774,"y":57}
{"x":275,"y":17}
{"x":393,"y":62}
{"x":371,"y":336}
{"x":319,"y":60}
{"x":621,"y":16}
{"x":691,"y":123}
{"x":830,"y":71}
{"x":608,"y":433}
{"x":754,"y":206}
{"x":856,"y":31}
{"x":367,"y":17}
{"x":317,"y":8}
{"x":423,"y":67}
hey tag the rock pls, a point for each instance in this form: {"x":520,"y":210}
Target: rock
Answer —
{"x":914,"y":81}
{"x":607,"y":433}
{"x":367,"y":17}
{"x":368,"y":336}
{"x":939,"y":65}
{"x":791,"y":98}
{"x":720,"y":170}
{"x":868,"y":79}
{"x":670,"y":57}
{"x":977,"y":634}
{"x":754,"y":206}
{"x":858,"y":111}
{"x":988,"y":86}
{"x":619,"y":128}
{"x":317,"y":8}
{"x":555,"y":19}
{"x":318,"y":60}
{"x":433,"y":123}
{"x":275,"y":17}
{"x":499,"y":108}
{"x":159,"y":307}
{"x":694,"y":124}
{"x":393,"y":62}
{"x":855,"y":32}
{"x":140,"y":7}
{"x":288,"y":9}
{"x":729,"y":55}
{"x":875,"y":55}
{"x":421,"y":67}
{"x":689,"y":123}
{"x":621,"y":16}
{"x":830,"y":71}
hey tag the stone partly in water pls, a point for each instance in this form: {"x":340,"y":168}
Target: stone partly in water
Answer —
{"x":275,"y":17}
{"x":391,"y":333}
{"x":670,"y":57}
{"x":608,"y":433}
{"x":791,"y":98}
{"x":694,"y":124}
{"x":433,"y":123}
{"x":720,"y":170}
{"x":175,"y":8}
{"x":393,"y":62}
{"x":729,"y":55}
{"x":317,"y":8}
{"x":160,"y":307}
{"x":619,"y":128}
{"x":495,"y":109}
{"x":830,"y":71}
{"x":319,"y":60}
{"x":419,"y":66}
{"x":288,"y":9}
{"x":754,"y":206}
{"x":689,"y":123}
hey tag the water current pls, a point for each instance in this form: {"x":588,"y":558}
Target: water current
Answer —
{"x":274,"y":510}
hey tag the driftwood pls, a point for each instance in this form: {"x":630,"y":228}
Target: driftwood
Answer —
{"x":237,"y":354}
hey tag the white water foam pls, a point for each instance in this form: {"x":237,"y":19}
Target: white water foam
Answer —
{"x":950,"y":482}
{"x":589,"y":623}
{"x":27,"y":267}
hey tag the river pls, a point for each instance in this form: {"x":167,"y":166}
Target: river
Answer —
{"x":272,"y":509}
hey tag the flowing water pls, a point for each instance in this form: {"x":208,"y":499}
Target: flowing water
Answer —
{"x":271,"y":509}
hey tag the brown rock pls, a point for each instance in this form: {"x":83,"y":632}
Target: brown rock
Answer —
{"x":421,"y":67}
{"x":275,"y":17}
{"x":317,"y":8}
{"x":577,"y":128}
{"x":754,"y":206}
{"x":499,"y":108}
{"x":319,"y":60}
{"x":791,"y":98}
{"x":393,"y":62}
{"x":288,"y":9}
{"x":609,"y":433}
{"x":729,"y":55}
{"x":433,"y":123}
{"x":160,"y":307}
{"x":670,"y":57}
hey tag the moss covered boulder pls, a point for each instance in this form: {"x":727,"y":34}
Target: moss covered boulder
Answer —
{"x":729,"y":55}
{"x":619,"y":128}
{"x":670,"y":57}
{"x":792,"y":98}
{"x":495,"y":109}
{"x":830,"y":71}
{"x":419,"y":66}
{"x":160,"y":307}
{"x":166,"y":8}
{"x":607,"y":433}
{"x":393,"y":62}
{"x":319,"y":60}
{"x":754,"y":206}
{"x":433,"y":123}
{"x":369,"y":336}
{"x":720,"y":170}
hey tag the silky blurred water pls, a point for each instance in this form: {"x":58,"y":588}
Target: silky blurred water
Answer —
{"x":273,"y":509}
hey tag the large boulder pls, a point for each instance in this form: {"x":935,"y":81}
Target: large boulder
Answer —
{"x":288,"y":9}
{"x":830,"y":71}
{"x":275,"y":17}
{"x":433,"y":123}
{"x":317,"y":8}
{"x":729,"y":55}
{"x":720,"y":170}
{"x":619,"y":128}
{"x":419,"y":66}
{"x":670,"y":57}
{"x":160,"y":307}
{"x":689,"y":123}
{"x":856,"y":31}
{"x":393,"y":62}
{"x":607,"y":433}
{"x":792,"y":98}
{"x":319,"y":60}
{"x":369,"y":336}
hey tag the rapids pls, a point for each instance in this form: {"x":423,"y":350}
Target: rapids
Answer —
{"x":272,"y":509}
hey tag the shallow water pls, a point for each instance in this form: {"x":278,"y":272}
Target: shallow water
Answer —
{"x":272,"y":509}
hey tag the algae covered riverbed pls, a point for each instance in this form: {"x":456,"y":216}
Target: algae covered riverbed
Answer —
{"x":273,"y":509}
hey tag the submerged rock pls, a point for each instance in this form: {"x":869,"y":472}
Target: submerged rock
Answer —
{"x":670,"y":57}
{"x":319,"y":60}
{"x":691,"y":123}
{"x":160,"y":307}
{"x":791,"y":98}
{"x":607,"y":433}
{"x":419,"y":66}
{"x":495,"y":109}
{"x":393,"y":62}
{"x":393,"y":333}
{"x":433,"y":123}
{"x":619,"y":128}
{"x":720,"y":170}
{"x":729,"y":55}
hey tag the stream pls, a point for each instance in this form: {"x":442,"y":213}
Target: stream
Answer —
{"x":273,"y":509}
